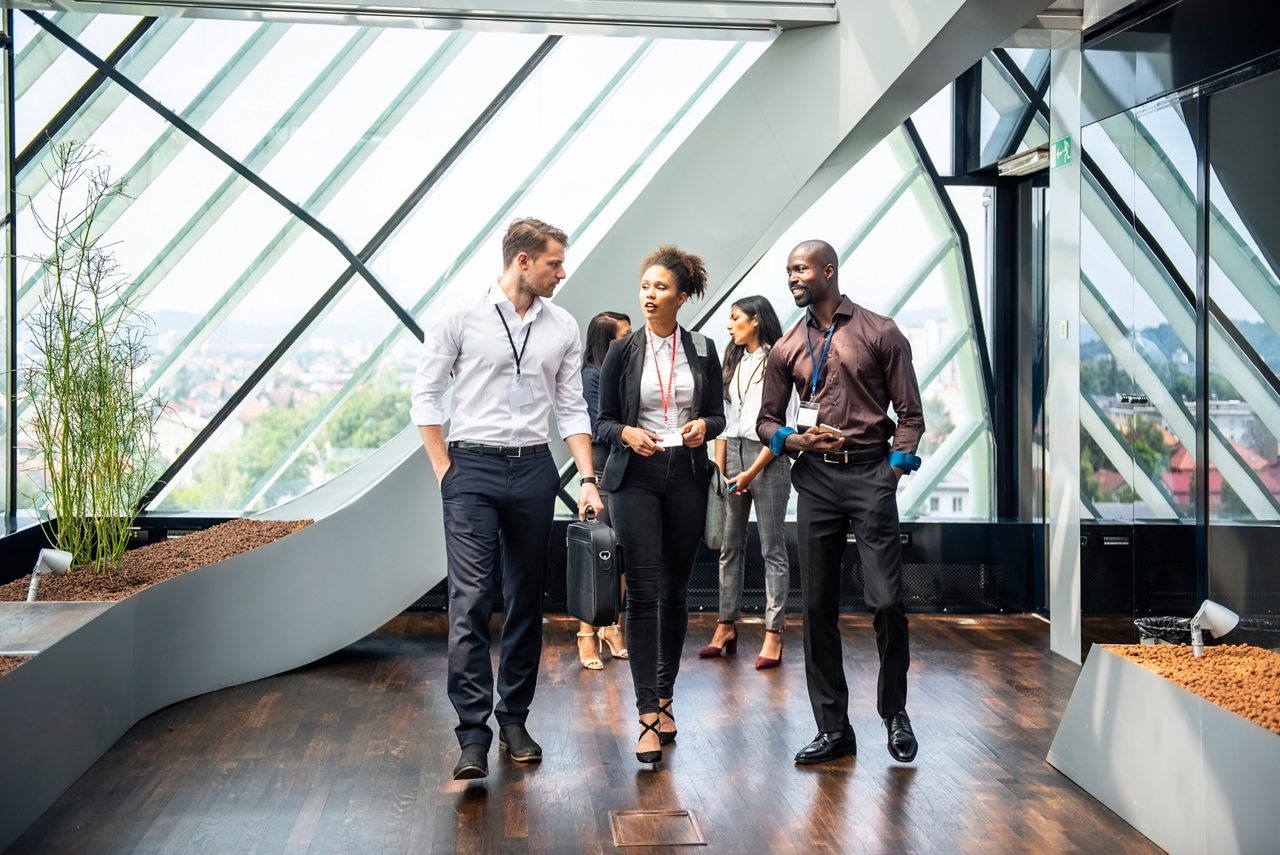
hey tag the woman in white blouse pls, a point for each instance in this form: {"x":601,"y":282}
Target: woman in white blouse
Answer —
{"x":753,"y":474}
{"x":661,"y":401}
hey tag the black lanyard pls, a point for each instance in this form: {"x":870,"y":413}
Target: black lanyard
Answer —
{"x":527,"y":330}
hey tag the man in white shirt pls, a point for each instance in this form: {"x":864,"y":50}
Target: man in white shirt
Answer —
{"x":514,"y":357}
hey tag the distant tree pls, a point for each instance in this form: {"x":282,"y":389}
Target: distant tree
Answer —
{"x":1146,"y":442}
{"x":1231,"y":506}
{"x":371,"y":417}
{"x":225,"y":481}
{"x":1103,"y":377}
{"x":938,"y":425}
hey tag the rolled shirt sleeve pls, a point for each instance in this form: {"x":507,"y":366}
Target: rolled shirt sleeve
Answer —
{"x":440,"y":349}
{"x":570,"y":406}
{"x":904,"y":390}
{"x":775,"y":397}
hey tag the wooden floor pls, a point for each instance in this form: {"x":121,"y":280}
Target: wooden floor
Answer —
{"x":354,"y":754}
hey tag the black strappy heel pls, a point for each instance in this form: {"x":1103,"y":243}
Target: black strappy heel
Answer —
{"x":650,"y":756}
{"x":666,"y":737}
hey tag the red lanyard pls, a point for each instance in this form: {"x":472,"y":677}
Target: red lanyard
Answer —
{"x":669,"y":391}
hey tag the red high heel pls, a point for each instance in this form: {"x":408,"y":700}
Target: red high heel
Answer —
{"x":730,"y":646}
{"x":763,"y":662}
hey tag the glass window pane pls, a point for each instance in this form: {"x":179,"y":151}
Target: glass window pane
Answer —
{"x":934,"y":123}
{"x":1003,"y":104}
{"x":900,"y":256}
{"x":1244,"y":285}
{"x":46,"y":74}
{"x":270,"y":449}
{"x":409,"y":146}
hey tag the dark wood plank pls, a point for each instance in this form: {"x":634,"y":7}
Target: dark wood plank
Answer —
{"x":354,"y":754}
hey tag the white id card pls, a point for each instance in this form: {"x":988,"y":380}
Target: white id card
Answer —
{"x":807,"y":417}
{"x":520,"y":394}
{"x":670,"y":439}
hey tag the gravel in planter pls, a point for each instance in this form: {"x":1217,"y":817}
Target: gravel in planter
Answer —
{"x":146,"y":565}
{"x":8,"y":663}
{"x":1241,"y":678}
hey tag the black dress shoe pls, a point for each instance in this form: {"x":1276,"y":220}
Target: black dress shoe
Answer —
{"x":829,"y":746}
{"x":474,"y":762}
{"x":902,"y":739}
{"x":516,"y":741}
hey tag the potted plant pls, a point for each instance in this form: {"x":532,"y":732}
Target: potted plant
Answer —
{"x":91,"y":426}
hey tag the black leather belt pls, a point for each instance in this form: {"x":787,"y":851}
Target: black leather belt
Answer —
{"x":501,"y":450}
{"x":855,"y":454}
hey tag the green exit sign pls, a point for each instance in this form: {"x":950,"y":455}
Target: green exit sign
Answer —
{"x":1061,"y":153}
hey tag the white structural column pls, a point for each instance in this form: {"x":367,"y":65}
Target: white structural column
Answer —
{"x":814,"y":102}
{"x":1063,"y":407}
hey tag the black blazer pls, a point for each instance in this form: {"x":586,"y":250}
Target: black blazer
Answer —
{"x":620,"y":398}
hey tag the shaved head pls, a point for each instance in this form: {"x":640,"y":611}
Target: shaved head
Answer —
{"x":819,"y":252}
{"x":811,"y":273}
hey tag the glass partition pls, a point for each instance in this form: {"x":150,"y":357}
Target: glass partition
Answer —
{"x":1244,"y":407}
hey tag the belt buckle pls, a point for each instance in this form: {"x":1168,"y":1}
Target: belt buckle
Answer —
{"x":835,"y":457}
{"x":506,"y":452}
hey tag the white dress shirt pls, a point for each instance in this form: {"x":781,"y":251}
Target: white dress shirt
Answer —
{"x":467,"y":341}
{"x":745,"y":390}
{"x":679,"y":405}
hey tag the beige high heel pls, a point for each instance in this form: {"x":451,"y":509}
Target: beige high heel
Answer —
{"x":594,"y":663}
{"x":619,"y":652}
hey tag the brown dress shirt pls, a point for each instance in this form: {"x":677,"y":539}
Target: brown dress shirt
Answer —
{"x":868,"y":367}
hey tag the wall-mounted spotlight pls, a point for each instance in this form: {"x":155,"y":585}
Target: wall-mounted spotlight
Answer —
{"x":1217,"y":619}
{"x":55,"y":561}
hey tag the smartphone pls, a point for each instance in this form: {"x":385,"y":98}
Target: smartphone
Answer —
{"x":834,"y":431}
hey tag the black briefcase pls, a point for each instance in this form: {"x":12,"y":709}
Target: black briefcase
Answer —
{"x":593,"y":570}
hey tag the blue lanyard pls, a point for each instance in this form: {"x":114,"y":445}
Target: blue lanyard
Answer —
{"x":817,"y":366}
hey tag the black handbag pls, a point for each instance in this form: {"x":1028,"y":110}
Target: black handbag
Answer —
{"x":593,"y":571}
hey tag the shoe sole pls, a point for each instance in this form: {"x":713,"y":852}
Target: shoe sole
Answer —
{"x":804,"y":761}
{"x":522,"y":758}
{"x":470,"y":773}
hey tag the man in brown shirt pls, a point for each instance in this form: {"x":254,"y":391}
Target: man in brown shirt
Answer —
{"x":848,"y":365}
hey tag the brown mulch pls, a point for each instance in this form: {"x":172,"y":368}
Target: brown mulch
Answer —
{"x":1240,"y":677}
{"x":142,"y":567}
{"x":8,"y":663}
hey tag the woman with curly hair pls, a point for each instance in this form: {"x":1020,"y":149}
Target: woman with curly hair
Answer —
{"x":661,"y":401}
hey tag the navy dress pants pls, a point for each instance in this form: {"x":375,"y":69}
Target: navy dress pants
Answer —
{"x":486,"y":498}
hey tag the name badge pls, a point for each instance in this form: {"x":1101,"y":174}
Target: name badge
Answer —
{"x":670,"y":439}
{"x":808,"y":415}
{"x":520,"y":394}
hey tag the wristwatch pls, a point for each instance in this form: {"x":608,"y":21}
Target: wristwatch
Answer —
{"x":589,"y":479}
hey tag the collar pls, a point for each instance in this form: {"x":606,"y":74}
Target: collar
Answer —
{"x":496,"y":297}
{"x":844,"y":310}
{"x":658,"y":340}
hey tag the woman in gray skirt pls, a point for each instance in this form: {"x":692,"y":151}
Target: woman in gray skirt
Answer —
{"x":753,"y":474}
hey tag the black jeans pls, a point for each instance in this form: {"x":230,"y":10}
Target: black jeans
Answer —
{"x":658,"y":514}
{"x":486,"y":498}
{"x":833,"y":500}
